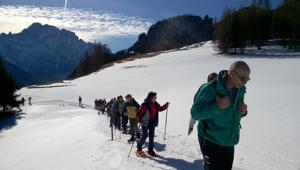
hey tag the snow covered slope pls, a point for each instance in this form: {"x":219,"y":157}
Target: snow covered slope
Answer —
{"x":56,"y":134}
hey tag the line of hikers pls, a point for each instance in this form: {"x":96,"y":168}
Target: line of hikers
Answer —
{"x":23,"y":101}
{"x":129,"y":110}
{"x":218,"y":107}
{"x":100,"y":105}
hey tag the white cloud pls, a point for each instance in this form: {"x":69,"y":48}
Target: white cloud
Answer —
{"x":87,"y":24}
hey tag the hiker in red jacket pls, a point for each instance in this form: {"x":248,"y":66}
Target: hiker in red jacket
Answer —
{"x":148,"y":118}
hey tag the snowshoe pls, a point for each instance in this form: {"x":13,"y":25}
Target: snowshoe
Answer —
{"x":152,"y":154}
{"x":140,"y":153}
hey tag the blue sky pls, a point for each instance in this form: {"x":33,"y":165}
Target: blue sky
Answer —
{"x":134,"y":16}
{"x":150,"y":9}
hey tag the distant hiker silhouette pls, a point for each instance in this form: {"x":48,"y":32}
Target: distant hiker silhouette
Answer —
{"x":80,"y":101}
{"x":29,"y":100}
{"x":23,"y":101}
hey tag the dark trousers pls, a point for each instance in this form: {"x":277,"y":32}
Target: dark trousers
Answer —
{"x":216,"y":157}
{"x":147,"y":131}
{"x":124,"y":122}
{"x":117,"y":121}
{"x":134,"y":131}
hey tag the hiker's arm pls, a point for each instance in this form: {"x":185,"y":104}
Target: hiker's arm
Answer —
{"x":192,"y":123}
{"x":243,"y":108}
{"x":164,"y":107}
{"x":136,"y":105}
{"x":191,"y":126}
{"x":124,"y":109}
{"x":204,"y":106}
{"x":140,"y":113}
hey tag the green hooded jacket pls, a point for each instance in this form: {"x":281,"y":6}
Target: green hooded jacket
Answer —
{"x":223,"y":126}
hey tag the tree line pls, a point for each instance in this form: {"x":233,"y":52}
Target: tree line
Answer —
{"x":257,"y":26}
{"x":8,"y":97}
{"x":99,"y":57}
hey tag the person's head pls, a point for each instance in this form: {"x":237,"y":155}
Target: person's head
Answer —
{"x":212,"y":76}
{"x":151,"y":96}
{"x":239,"y":73}
{"x":128,"y":98}
{"x":120,"y":98}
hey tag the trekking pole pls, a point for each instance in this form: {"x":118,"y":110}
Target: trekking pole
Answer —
{"x":111,"y":128}
{"x":166,"y":124}
{"x":107,"y":120}
{"x":131,"y":148}
{"x":112,"y":133}
{"x":133,"y":142}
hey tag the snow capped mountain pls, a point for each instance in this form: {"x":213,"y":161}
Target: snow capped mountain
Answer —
{"x":42,"y":51}
{"x":54,"y":133}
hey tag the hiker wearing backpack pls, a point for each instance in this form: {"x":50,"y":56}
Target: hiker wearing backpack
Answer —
{"x":131,"y":108}
{"x":148,"y":118}
{"x":110,"y":112}
{"x":124,"y":120}
{"x":102,"y":106}
{"x":117,"y":109}
{"x":218,"y":108}
{"x":211,"y":77}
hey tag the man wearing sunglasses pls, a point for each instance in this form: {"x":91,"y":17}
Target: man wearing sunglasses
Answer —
{"x":219,"y":108}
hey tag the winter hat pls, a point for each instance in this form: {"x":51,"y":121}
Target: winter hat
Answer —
{"x":128,"y":96}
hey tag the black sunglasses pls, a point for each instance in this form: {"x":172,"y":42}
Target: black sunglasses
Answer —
{"x":243,"y":79}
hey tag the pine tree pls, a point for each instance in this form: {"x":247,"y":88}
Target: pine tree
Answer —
{"x":265,"y":4}
{"x":7,"y":90}
{"x":93,"y":62}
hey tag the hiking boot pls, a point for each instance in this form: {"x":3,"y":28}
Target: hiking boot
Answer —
{"x":138,"y":135}
{"x":152,"y":153}
{"x":140,"y":153}
{"x":131,"y":140}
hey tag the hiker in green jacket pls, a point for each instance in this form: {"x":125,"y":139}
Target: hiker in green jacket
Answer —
{"x":218,"y":108}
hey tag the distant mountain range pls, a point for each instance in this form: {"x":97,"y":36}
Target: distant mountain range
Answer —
{"x":167,"y":34}
{"x":174,"y":32}
{"x":41,"y":53}
{"x":44,"y":53}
